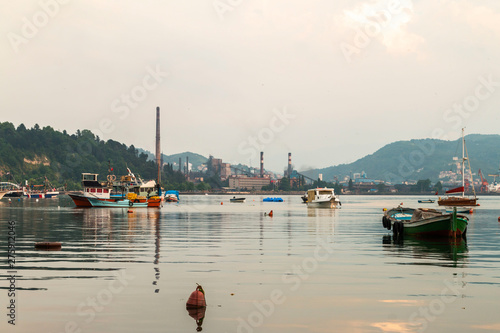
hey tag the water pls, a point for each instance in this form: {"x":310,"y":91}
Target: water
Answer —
{"x":302,"y":270}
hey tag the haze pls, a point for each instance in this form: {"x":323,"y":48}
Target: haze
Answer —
{"x":328,"y":81}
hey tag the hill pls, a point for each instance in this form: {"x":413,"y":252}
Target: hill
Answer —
{"x":195,"y":159}
{"x":36,"y":153}
{"x":419,"y":159}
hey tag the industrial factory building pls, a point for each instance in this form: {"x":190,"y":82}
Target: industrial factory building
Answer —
{"x":249,"y":183}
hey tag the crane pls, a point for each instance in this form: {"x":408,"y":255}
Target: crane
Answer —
{"x":484,"y":182}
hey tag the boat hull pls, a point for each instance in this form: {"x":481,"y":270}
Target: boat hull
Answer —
{"x":436,"y":227}
{"x":116,"y":204}
{"x":457,"y":202}
{"x":439,"y":225}
{"x":80,"y":200}
{"x":322,"y":204}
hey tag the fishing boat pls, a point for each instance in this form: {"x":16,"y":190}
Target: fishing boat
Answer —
{"x":322,"y":198}
{"x":424,"y":222}
{"x":426,"y":201}
{"x":234,"y":199}
{"x":460,"y":201}
{"x":304,"y":198}
{"x":42,"y":191}
{"x":120,"y":203}
{"x":172,"y":196}
{"x":129,"y":188}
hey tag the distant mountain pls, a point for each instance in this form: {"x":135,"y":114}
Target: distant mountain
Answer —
{"x":420,"y":159}
{"x":195,"y":159}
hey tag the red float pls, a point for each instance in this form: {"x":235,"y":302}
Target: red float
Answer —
{"x":196,"y":299}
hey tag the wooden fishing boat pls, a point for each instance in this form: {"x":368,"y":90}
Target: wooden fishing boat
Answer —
{"x":234,"y":199}
{"x":425,"y":222}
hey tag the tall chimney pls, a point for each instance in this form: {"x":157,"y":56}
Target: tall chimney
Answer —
{"x":187,"y":165}
{"x":261,"y":164}
{"x":158,"y":151}
{"x":180,"y":164}
{"x":289,"y":164}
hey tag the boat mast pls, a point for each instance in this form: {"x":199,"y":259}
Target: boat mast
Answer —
{"x":463,"y":164}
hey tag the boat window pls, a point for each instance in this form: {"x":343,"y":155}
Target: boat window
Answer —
{"x":105,"y":190}
{"x":99,"y":190}
{"x":92,"y":190}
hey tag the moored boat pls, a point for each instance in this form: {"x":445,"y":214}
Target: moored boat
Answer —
{"x":322,"y":198}
{"x":426,"y":201}
{"x":121,"y":203}
{"x":234,"y":199}
{"x":425,"y":222}
{"x":460,"y":201}
{"x":172,"y":196}
{"x":128,"y":191}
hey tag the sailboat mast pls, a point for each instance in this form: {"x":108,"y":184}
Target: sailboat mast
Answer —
{"x":463,"y":163}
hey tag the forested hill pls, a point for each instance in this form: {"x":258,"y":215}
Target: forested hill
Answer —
{"x":31,"y":154}
{"x":420,"y":159}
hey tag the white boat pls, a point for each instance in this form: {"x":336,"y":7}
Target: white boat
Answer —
{"x":322,"y":198}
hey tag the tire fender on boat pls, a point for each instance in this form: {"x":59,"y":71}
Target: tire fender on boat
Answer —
{"x":130,"y":203}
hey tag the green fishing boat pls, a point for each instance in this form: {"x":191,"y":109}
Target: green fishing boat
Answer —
{"x":425,"y":222}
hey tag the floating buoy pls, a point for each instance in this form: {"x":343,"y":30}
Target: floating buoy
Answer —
{"x":499,"y":219}
{"x":36,"y":200}
{"x":49,"y":246}
{"x":221,"y":203}
{"x":196,"y":299}
{"x":384,"y":210}
{"x":271,"y":213}
{"x":471,"y":211}
{"x":130,"y":211}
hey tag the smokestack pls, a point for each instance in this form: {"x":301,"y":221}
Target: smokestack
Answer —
{"x":261,"y":164}
{"x":187,"y":165}
{"x":180,"y":164}
{"x":158,"y":152}
{"x":289,"y":164}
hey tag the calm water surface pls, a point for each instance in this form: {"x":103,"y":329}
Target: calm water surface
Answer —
{"x":302,"y":270}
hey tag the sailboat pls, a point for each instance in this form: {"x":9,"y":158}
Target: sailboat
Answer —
{"x":460,"y":201}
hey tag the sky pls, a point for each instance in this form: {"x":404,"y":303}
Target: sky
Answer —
{"x":328,"y":81}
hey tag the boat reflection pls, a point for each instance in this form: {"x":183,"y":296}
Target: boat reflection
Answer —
{"x":439,"y":252}
{"x":198,"y":314}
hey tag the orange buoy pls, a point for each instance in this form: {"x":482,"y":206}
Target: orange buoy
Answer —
{"x":271,"y":213}
{"x":471,"y":211}
{"x":49,"y":246}
{"x":499,"y":219}
{"x":130,"y":211}
{"x":196,"y":299}
{"x":221,"y":203}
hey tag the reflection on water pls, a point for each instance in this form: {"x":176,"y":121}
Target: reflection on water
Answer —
{"x":198,"y":314}
{"x":241,"y":256}
{"x":440,"y":252}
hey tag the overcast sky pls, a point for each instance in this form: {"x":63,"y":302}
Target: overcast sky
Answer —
{"x":329,"y":81}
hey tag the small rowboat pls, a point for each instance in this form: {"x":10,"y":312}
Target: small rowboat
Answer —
{"x":234,"y":199}
{"x":426,"y":201}
{"x":48,"y":246}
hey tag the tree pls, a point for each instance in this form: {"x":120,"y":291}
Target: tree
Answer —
{"x":438,"y":186}
{"x":284,"y":184}
{"x":423,"y":185}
